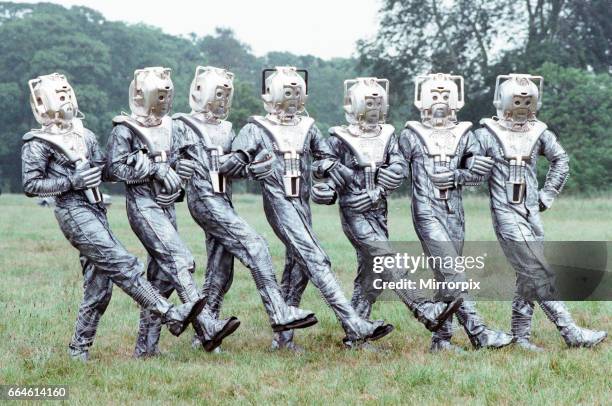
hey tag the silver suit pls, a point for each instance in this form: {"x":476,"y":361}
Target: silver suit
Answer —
{"x":440,"y":146}
{"x":151,"y":215}
{"x":53,"y":165}
{"x":294,"y":141}
{"x":206,"y":138}
{"x":368,"y":151}
{"x":515,"y":139}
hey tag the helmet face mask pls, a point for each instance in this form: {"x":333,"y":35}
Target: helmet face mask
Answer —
{"x":517,"y":98}
{"x":211,"y":92}
{"x":52,"y":100}
{"x":151,"y":94}
{"x":292,"y":94}
{"x":285,"y":92}
{"x":366,"y":101}
{"x":373,"y":111}
{"x":439,"y":96}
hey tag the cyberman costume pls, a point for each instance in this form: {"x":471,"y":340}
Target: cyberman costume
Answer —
{"x":514,"y":139}
{"x":142,"y":152}
{"x":443,"y":155}
{"x":63,"y":159}
{"x":206,"y":138}
{"x":372,"y":167}
{"x":294,"y":139}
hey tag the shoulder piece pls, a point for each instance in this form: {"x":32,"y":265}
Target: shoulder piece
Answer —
{"x":156,"y":139}
{"x":368,"y":151}
{"x":217,"y":136}
{"x":515,"y":144}
{"x":286,"y":138}
{"x":440,"y":141}
{"x":72,"y":143}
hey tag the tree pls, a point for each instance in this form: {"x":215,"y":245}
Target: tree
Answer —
{"x":99,"y":58}
{"x":482,"y":39}
{"x":578,"y":107}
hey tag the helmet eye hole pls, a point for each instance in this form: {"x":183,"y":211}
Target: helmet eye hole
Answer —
{"x":445,"y":97}
{"x":435,"y":97}
{"x":198,"y":87}
{"x":161,"y":97}
{"x":528,"y":103}
{"x":288,"y":93}
{"x":516,"y":102}
{"x":62,"y":98}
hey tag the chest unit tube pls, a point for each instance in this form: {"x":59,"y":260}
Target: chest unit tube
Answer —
{"x":516,"y":185}
{"x":369,"y":175}
{"x":441,"y":165}
{"x":292,"y":173}
{"x":219,"y":182}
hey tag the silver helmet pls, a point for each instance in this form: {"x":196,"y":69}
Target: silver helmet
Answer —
{"x":517,"y":98}
{"x":366,"y":101}
{"x":52,"y":99}
{"x":285,"y":91}
{"x":151,"y":94}
{"x":439,"y":96}
{"x":211,"y":92}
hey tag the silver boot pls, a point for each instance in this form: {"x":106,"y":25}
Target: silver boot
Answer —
{"x":356,"y":328}
{"x":176,"y":318}
{"x":441,"y":339}
{"x":211,"y":331}
{"x":179,"y":317}
{"x":574,"y":336}
{"x":284,"y":317}
{"x":149,"y":330}
{"x":479,"y":334}
{"x":283,"y":340}
{"x":78,"y":354}
{"x":84,"y":333}
{"x":433,"y":314}
{"x":522,"y":313}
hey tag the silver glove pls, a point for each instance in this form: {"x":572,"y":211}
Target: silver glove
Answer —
{"x":480,"y":165}
{"x":341,"y":175}
{"x":443,"y":180}
{"x":360,"y":203}
{"x":262,"y":165}
{"x":233,"y":164}
{"x":388,"y":179}
{"x":546,"y":199}
{"x":141,"y":163}
{"x":322,"y":193}
{"x":166,"y":199}
{"x":85,"y":178}
{"x":169,"y":179}
{"x":185,"y":168}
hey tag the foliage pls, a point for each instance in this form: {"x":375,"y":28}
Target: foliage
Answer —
{"x":581,"y":118}
{"x":482,"y":39}
{"x":99,"y":58}
{"x":569,"y":42}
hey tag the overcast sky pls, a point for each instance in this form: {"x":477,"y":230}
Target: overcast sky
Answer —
{"x":324,"y":28}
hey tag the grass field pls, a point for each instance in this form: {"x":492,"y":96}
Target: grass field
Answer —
{"x":41,"y":289}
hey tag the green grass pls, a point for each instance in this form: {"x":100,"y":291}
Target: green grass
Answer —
{"x":41,"y":289}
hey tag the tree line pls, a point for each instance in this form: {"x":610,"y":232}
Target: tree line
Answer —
{"x":568,"y":42}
